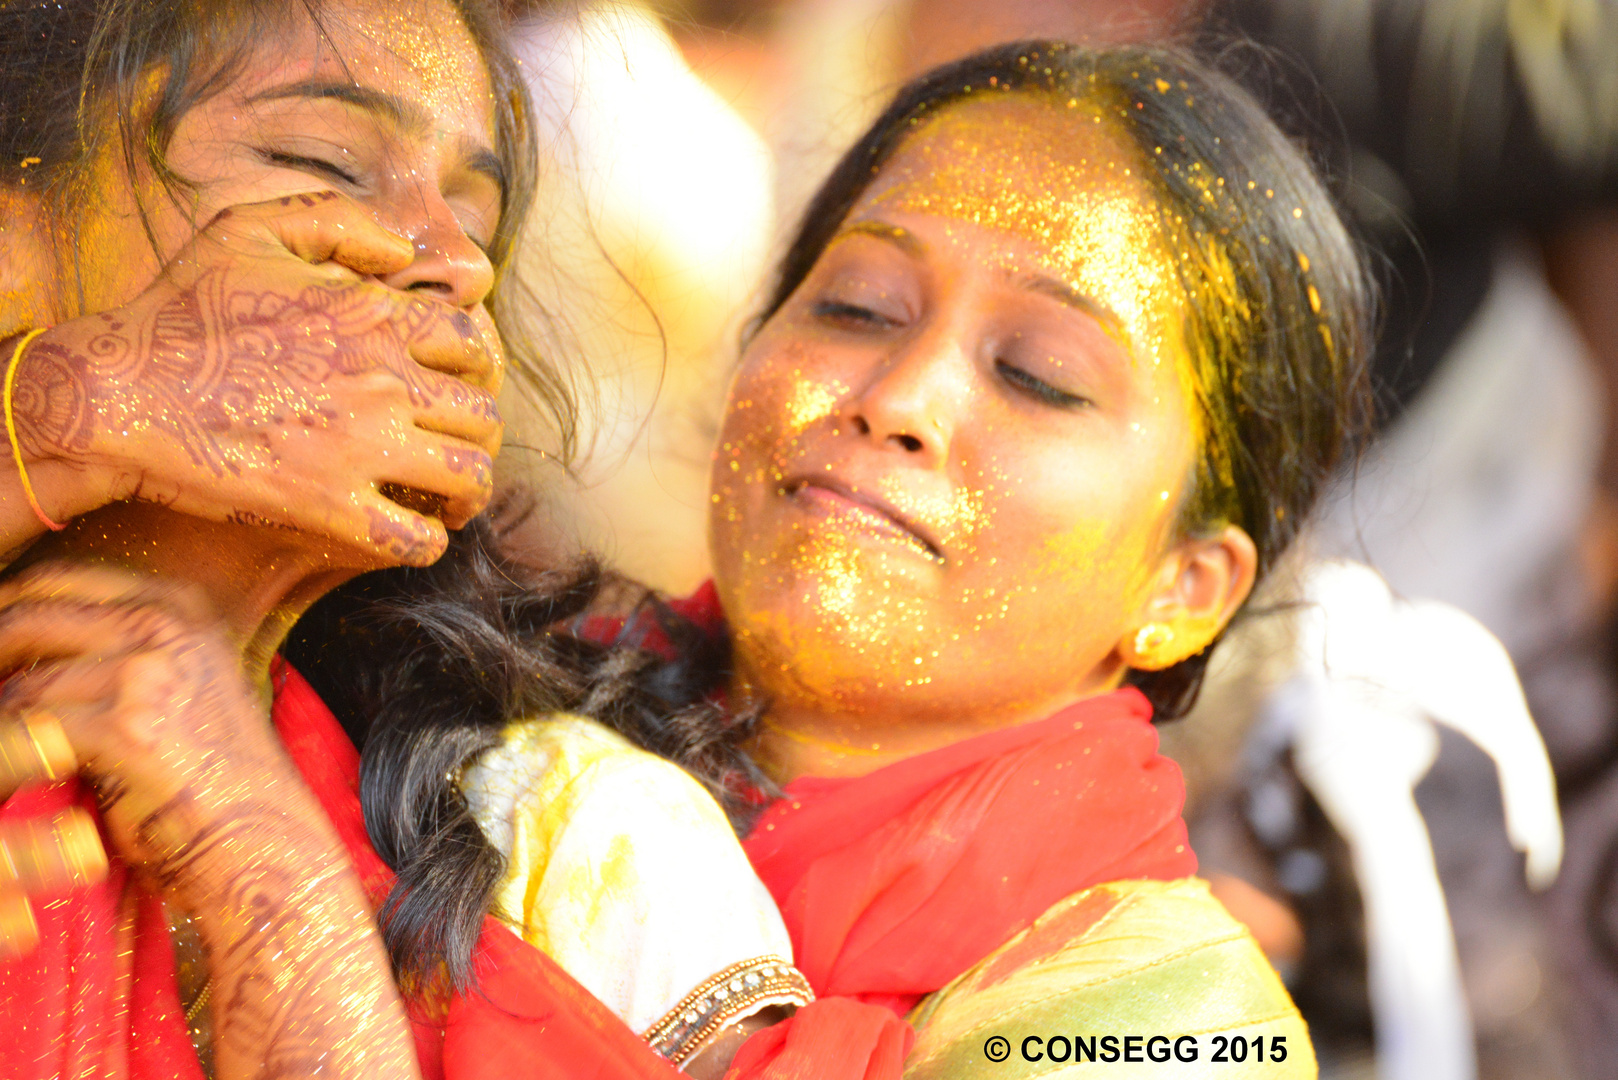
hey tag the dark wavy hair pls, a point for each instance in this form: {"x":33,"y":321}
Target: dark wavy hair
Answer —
{"x":426,"y":666}
{"x":1279,"y":323}
{"x":74,"y":79}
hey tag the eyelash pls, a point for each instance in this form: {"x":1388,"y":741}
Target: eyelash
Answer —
{"x":308,"y":164}
{"x":1038,"y":388}
{"x":837,"y":310}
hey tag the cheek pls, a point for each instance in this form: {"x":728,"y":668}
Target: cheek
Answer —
{"x":1075,"y":533}
{"x":776,"y":399}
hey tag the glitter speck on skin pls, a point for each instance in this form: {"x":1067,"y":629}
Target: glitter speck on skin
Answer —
{"x":1002,"y":228}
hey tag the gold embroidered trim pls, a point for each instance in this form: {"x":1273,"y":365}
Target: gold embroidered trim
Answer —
{"x":738,"y":991}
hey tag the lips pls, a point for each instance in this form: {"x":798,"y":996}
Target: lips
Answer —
{"x":830,"y":496}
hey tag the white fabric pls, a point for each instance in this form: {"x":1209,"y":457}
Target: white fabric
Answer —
{"x":1373,"y":675}
{"x":1481,"y":485}
{"x":623,"y":869}
{"x":1473,"y":499}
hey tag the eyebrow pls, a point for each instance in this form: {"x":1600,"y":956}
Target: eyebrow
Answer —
{"x":1057,"y":290}
{"x":1063,"y":293}
{"x":904,"y":238}
{"x":401,"y":113}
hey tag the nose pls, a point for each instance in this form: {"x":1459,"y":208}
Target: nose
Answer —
{"x":910,"y":401}
{"x":448,"y":265}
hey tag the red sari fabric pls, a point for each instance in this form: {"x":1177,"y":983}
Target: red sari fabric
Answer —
{"x":98,"y":996}
{"x":895,"y":882}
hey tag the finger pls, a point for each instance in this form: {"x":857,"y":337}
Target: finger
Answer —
{"x":397,"y":536}
{"x":58,"y":689}
{"x":447,"y":406}
{"x":34,"y":632}
{"x":62,"y":852}
{"x":449,"y":340}
{"x":493,"y":344}
{"x":462,"y":477}
{"x":19,"y":933}
{"x":32,"y":748}
{"x":322,"y":226}
{"x":104,"y":586}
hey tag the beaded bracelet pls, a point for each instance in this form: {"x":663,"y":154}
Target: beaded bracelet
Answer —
{"x":734,"y":993}
{"x":11,"y":429}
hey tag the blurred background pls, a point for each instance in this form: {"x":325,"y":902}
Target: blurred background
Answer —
{"x":1474,"y":145}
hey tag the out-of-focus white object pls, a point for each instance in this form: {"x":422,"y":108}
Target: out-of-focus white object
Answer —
{"x":649,"y":234}
{"x":1374,"y":673}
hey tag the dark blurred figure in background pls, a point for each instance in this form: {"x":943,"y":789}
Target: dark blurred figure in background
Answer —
{"x":1481,"y":159}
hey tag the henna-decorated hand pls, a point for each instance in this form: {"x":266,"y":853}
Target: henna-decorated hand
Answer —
{"x":131,"y":683}
{"x":266,"y":377}
{"x":198,"y":795}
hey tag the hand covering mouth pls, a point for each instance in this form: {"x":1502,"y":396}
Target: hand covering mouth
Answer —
{"x":828,"y":487}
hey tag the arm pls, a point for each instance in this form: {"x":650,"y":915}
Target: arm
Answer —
{"x":198,"y":796}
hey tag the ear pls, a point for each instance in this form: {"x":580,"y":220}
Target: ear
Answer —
{"x":1199,"y":585}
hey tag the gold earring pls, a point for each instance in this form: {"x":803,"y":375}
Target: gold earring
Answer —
{"x":1151,"y":638}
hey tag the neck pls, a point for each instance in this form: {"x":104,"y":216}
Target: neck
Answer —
{"x":804,"y":737}
{"x":259,"y":581}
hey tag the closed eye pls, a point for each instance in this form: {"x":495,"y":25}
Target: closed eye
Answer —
{"x":1038,"y":388}
{"x":318,"y":166}
{"x":839,"y":311}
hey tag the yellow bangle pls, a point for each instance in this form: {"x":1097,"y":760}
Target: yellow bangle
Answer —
{"x":11,"y":429}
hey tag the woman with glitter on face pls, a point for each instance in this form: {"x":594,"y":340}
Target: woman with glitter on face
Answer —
{"x":1056,"y":368}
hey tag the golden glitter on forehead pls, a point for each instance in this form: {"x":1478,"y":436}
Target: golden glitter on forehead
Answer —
{"x":432,"y":41}
{"x":1057,"y":174}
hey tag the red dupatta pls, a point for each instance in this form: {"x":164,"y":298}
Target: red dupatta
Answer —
{"x":98,"y":997}
{"x":894,"y":883}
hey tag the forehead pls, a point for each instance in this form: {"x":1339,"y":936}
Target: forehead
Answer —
{"x":1055,"y":175}
{"x":419,"y":50}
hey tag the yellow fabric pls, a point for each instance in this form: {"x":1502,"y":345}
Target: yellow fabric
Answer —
{"x":620,"y":866}
{"x":1164,"y":959}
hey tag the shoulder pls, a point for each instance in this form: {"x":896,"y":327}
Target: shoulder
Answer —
{"x":1124,"y":959}
{"x":563,"y":772}
{"x":620,"y":865}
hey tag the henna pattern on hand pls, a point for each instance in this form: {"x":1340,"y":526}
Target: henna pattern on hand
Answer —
{"x":217,"y":369}
{"x":300,"y":980}
{"x":405,"y":543}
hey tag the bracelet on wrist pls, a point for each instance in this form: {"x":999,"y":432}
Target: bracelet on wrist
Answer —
{"x":11,"y":429}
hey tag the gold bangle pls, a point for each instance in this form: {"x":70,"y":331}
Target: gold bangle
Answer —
{"x":11,"y":429}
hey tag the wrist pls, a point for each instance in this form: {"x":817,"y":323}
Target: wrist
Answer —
{"x":60,"y":483}
{"x":202,"y":844}
{"x":66,"y":489}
